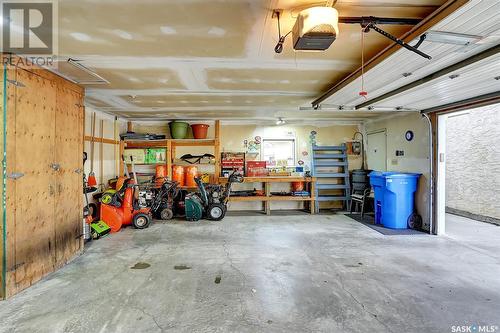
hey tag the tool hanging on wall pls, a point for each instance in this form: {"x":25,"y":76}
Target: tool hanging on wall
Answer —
{"x":91,"y":181}
{"x":101,"y":157}
{"x":87,"y":215}
{"x":116,"y":148}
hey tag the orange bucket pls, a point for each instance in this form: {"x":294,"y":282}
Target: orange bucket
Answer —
{"x":200,"y":131}
{"x":190,"y":173}
{"x":178,"y":174}
{"x":160,"y":175}
{"x":297,"y":186}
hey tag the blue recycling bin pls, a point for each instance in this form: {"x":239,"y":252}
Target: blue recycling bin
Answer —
{"x":394,"y":197}
{"x":377,"y":181}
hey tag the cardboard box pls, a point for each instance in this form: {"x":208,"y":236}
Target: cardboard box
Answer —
{"x":256,"y":169}
{"x":139,"y":155}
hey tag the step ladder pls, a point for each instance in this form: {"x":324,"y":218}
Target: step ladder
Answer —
{"x":331,"y":168}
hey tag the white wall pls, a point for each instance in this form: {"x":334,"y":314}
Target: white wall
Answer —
{"x":473,"y":161}
{"x":233,"y":137}
{"x":416,"y":152}
{"x":110,"y":152}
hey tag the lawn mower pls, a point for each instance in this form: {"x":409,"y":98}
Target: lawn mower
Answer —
{"x":211,"y":201}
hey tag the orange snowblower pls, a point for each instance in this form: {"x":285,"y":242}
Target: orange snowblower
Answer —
{"x":120,"y":207}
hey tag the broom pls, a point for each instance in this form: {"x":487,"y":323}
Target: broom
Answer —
{"x":91,"y":180}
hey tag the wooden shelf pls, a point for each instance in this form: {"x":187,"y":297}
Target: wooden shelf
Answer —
{"x":270,"y":198}
{"x":170,"y":145}
{"x":145,"y":144}
{"x":157,"y":163}
{"x":271,"y":179}
{"x":174,"y":142}
{"x":194,"y":142}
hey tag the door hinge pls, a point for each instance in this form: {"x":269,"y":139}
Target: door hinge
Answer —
{"x":16,"y":83}
{"x":15,"y":175}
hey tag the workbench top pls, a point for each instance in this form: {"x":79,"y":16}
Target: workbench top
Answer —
{"x":272,"y":179}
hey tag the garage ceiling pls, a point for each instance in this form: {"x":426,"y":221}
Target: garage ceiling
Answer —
{"x":203,"y":59}
{"x":479,"y":77}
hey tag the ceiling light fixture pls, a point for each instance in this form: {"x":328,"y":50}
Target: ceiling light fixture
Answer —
{"x":280,"y":121}
{"x":446,"y":37}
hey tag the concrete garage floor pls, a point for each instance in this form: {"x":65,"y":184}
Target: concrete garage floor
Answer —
{"x":323,"y":273}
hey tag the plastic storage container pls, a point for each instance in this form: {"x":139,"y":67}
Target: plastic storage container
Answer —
{"x":200,"y":131}
{"x":178,"y":129}
{"x":160,"y":175}
{"x":297,"y":186}
{"x":190,"y":173}
{"x":178,"y":174}
{"x":394,"y":197}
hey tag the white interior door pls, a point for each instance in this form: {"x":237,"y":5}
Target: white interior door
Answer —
{"x":376,"y":152}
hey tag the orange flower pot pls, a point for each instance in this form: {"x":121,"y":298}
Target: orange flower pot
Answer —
{"x":200,"y":131}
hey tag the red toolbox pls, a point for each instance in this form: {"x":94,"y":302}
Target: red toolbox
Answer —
{"x":231,"y":162}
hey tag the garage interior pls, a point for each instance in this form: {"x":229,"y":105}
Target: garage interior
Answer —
{"x":252,"y":166}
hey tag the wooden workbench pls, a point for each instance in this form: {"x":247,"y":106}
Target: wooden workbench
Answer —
{"x":267,"y":198}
